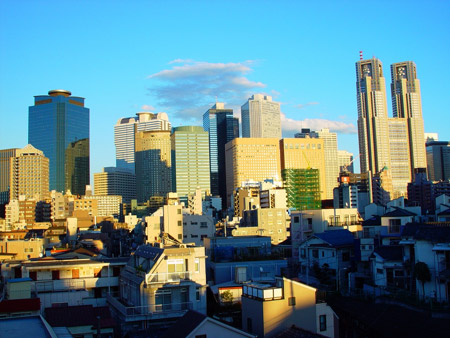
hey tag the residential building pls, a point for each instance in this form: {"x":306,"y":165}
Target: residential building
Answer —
{"x":197,"y":227}
{"x":330,"y":156}
{"x":116,"y":181}
{"x":29,"y":174}
{"x":125,"y":133}
{"x":261,"y":117}
{"x":5,"y":155}
{"x":387,"y":266}
{"x":305,"y":153}
{"x":242,"y":259}
{"x":220,"y":125}
{"x":166,"y":220}
{"x":345,"y":161}
{"x":153,"y":164}
{"x":251,"y":159}
{"x":108,"y":205}
{"x":190,"y":161}
{"x":58,"y":124}
{"x":331,"y":248}
{"x":245,"y":198}
{"x":271,"y":222}
{"x":438,"y":160}
{"x":22,"y":249}
{"x":273,"y":198}
{"x":268,"y":310}
{"x":159,"y":285}
{"x":69,"y":281}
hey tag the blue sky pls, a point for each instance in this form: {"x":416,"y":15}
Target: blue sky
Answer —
{"x":178,"y":56}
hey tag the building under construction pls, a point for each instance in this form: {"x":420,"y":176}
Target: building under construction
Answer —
{"x":302,"y":188}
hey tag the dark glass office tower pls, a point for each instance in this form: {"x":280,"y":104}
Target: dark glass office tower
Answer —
{"x":58,"y":124}
{"x":222,"y":128}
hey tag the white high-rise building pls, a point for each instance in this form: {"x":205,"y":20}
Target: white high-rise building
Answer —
{"x":261,"y":117}
{"x":124,"y":135}
{"x":330,"y":156}
{"x":345,"y":160}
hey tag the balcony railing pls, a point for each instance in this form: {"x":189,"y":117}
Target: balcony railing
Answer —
{"x":168,"y":277}
{"x":75,"y":284}
{"x":149,"y":311}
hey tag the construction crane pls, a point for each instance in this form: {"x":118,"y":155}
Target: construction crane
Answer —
{"x":345,"y":166}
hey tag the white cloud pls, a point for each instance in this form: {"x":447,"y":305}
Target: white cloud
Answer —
{"x":147,"y":107}
{"x":189,"y":86}
{"x":291,"y":125}
{"x":301,"y":106}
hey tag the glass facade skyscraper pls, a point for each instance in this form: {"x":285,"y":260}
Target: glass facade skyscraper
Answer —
{"x":222,"y":128}
{"x":58,"y":124}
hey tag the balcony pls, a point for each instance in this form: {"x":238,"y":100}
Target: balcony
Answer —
{"x":75,"y":284}
{"x":262,"y":292}
{"x":149,"y":311}
{"x":169,"y":277}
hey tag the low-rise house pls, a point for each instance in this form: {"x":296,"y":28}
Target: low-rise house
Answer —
{"x":332,"y":250}
{"x":268,"y":310}
{"x":387,"y":266}
{"x":430,"y":245}
{"x":159,"y":284}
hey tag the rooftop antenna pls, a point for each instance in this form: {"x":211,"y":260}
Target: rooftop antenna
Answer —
{"x":360,"y":54}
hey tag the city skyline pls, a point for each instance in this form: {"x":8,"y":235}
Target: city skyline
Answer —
{"x":158,"y":61}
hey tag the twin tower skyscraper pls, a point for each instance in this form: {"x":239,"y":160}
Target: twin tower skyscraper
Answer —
{"x":390,"y":147}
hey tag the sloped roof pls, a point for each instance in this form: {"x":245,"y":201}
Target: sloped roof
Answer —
{"x":436,"y":233}
{"x":185,"y":325}
{"x":390,"y":252}
{"x":399,"y":212}
{"x":297,"y":332}
{"x":372,"y":221}
{"x":445,"y":212}
{"x":340,"y":237}
{"x":81,"y":315}
{"x":149,"y":252}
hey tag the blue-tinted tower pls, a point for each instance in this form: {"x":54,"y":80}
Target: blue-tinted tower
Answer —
{"x":222,"y":128}
{"x":58,"y":124}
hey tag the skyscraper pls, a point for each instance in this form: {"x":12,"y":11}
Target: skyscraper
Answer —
{"x":221,"y":126}
{"x":251,"y":159}
{"x":58,"y":125}
{"x":438,"y":158}
{"x":394,"y":145}
{"x":261,"y":117}
{"x":190,"y":161}
{"x":153,"y":164}
{"x":5,"y":156}
{"x":330,"y":156}
{"x":29,"y":174}
{"x":407,"y":104}
{"x":124,"y":135}
{"x":115,"y":181}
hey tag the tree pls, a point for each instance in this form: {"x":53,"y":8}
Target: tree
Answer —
{"x":226,"y":297}
{"x":422,"y":273}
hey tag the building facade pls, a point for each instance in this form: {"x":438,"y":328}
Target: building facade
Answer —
{"x":190,"y":161}
{"x":124,"y":135}
{"x":153,"y":164}
{"x":116,"y":181}
{"x":438,"y":160}
{"x":251,"y":159}
{"x":58,"y":124}
{"x":29,"y":174}
{"x":5,"y":155}
{"x":261,"y":117}
{"x":220,"y":124}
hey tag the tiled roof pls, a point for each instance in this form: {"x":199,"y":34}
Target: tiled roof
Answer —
{"x":436,"y":233}
{"x":390,"y":252}
{"x":399,"y":212}
{"x":374,"y":220}
{"x":339,"y":237}
{"x":185,"y":325}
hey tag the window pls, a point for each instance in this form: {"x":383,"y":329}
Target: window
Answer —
{"x":194,"y":236}
{"x":197,"y":294}
{"x":55,"y":274}
{"x":323,"y":253}
{"x":33,"y":275}
{"x":394,"y":226}
{"x":315,"y":253}
{"x":179,"y":211}
{"x":291,"y":301}
{"x":203,"y":225}
{"x":345,"y":256}
{"x":179,"y":223}
{"x":296,"y":219}
{"x":180,"y":236}
{"x":323,"y":322}
{"x":380,"y":271}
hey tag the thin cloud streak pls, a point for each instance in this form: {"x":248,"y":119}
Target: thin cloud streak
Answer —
{"x":291,"y":125}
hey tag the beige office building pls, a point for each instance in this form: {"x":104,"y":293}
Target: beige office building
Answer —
{"x":304,"y":153}
{"x":29,"y":174}
{"x":153,"y":164}
{"x":5,"y":155}
{"x":261,"y":117}
{"x":251,"y":159}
